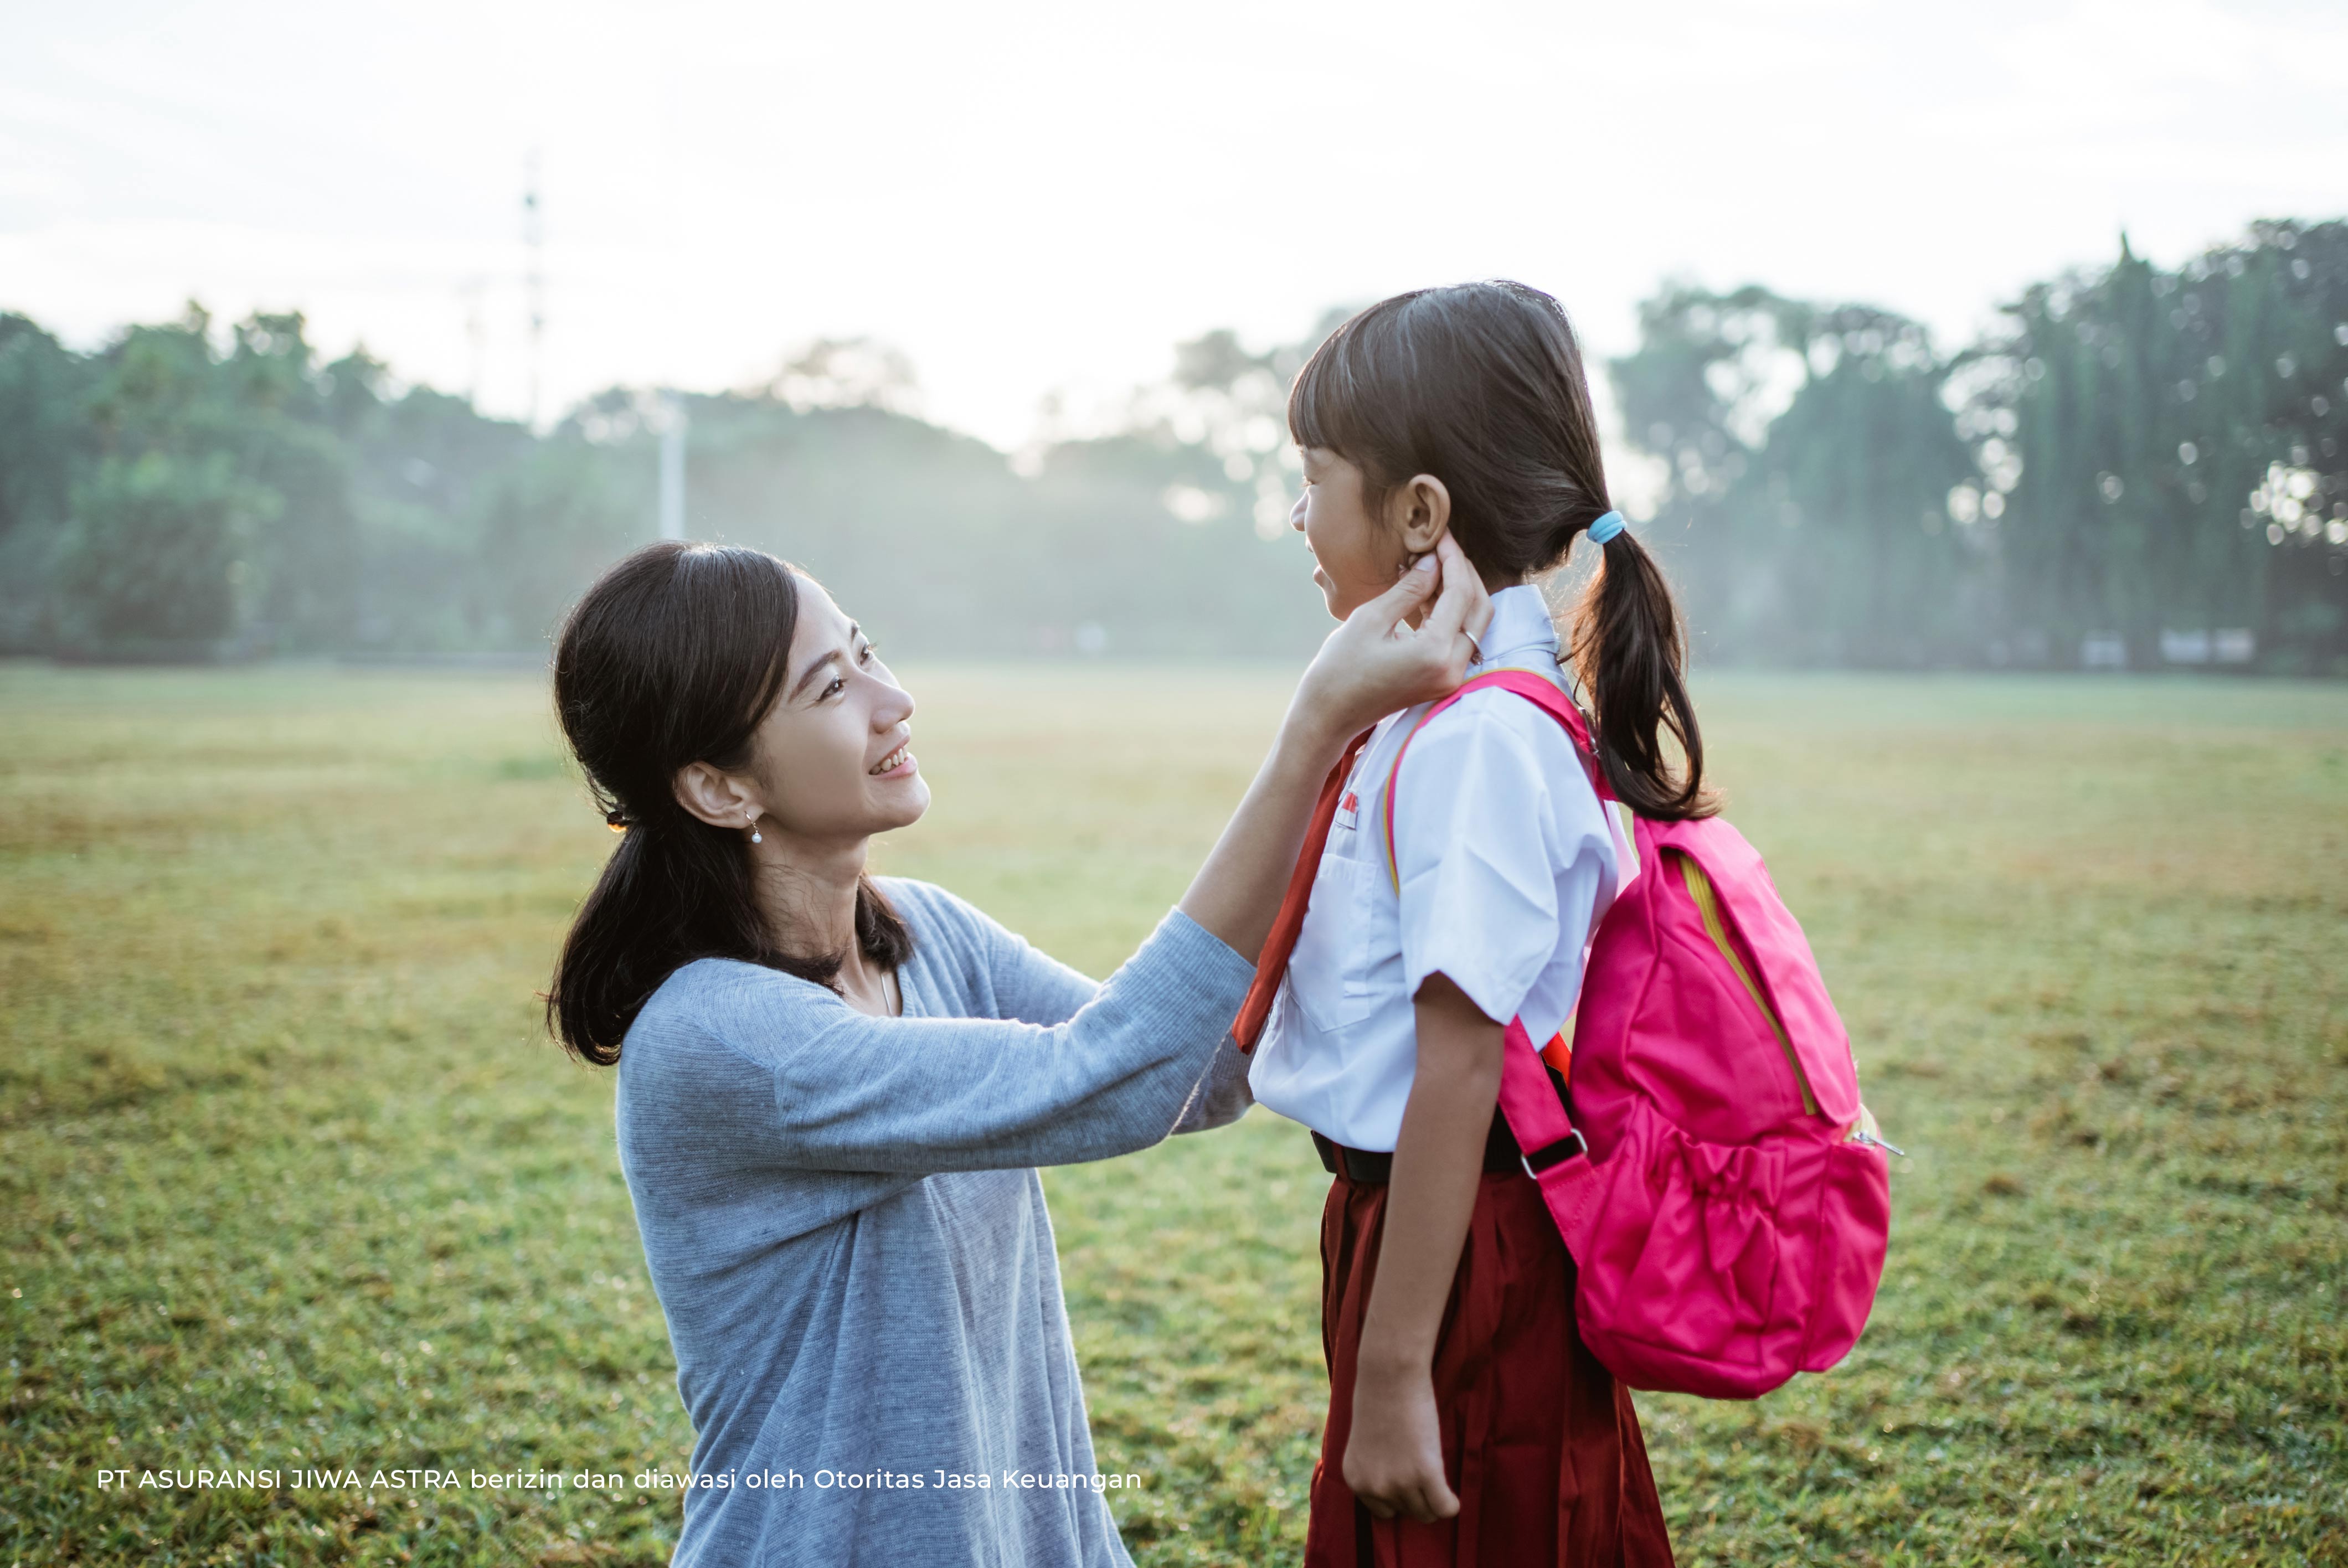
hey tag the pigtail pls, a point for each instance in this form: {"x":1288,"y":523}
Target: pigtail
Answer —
{"x":1631,"y":652}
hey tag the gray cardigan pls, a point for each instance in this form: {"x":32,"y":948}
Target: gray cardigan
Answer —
{"x":850,"y":1243}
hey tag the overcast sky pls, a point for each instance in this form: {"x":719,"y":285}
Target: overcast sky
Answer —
{"x":1038,"y":198}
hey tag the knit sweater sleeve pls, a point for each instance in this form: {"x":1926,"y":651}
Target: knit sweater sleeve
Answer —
{"x":801,"y":1079}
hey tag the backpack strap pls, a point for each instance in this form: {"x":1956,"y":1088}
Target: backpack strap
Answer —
{"x":1541,"y":694}
{"x":1271,"y":964}
{"x":1556,"y":1155}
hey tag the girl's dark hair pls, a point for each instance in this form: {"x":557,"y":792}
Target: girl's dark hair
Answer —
{"x":673,"y":657}
{"x":1481,"y":386}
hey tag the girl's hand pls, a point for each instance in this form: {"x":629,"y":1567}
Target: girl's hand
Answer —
{"x":1394,"y":1459}
{"x":1376,"y":661}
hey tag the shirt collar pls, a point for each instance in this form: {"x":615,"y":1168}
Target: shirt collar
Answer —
{"x":1521,"y":631}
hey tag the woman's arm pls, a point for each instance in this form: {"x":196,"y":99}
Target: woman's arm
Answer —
{"x":773,"y":1071}
{"x":1028,"y":983}
{"x":1394,"y":1460}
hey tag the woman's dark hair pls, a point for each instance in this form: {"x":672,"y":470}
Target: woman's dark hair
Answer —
{"x":1481,"y":386}
{"x":673,"y":657}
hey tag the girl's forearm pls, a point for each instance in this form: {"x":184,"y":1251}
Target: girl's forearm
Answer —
{"x":1438,"y":1160}
{"x":1237,"y":892}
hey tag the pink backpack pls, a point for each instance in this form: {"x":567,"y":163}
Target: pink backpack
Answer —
{"x":1724,"y":1195}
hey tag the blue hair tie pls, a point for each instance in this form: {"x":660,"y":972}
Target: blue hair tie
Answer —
{"x":1605,"y":527}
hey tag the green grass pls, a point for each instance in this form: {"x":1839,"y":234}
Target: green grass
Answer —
{"x":290,"y":1178}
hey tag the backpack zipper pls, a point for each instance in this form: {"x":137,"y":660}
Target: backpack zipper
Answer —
{"x":1708,"y":904}
{"x":1864,"y":1131}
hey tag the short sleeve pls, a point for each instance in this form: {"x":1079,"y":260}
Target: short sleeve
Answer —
{"x":1497,"y":870}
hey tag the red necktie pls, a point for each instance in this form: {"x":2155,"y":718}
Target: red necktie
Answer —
{"x":1273,"y":963}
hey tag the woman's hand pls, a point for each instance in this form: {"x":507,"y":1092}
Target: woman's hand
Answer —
{"x":1378,"y":661}
{"x":1394,"y":1459}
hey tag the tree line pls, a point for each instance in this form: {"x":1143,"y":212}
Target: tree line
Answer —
{"x":2138,"y":467}
{"x":186,"y":492}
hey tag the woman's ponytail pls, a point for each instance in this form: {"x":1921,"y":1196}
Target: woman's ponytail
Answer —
{"x":1631,"y":652}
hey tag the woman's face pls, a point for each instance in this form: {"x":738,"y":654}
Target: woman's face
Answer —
{"x":833,"y":761}
{"x":1356,"y":554}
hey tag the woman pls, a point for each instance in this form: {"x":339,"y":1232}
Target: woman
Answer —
{"x":833,"y":1090}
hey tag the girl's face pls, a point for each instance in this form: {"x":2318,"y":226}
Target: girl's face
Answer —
{"x":831,"y":762}
{"x":1356,"y":554}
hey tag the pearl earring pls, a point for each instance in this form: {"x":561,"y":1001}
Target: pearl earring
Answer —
{"x":753,"y":825}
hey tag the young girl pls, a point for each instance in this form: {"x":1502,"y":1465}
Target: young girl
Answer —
{"x":1467,"y":1422}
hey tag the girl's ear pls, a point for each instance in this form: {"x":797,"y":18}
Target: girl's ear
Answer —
{"x":1419,"y":512}
{"x":717,"y":798}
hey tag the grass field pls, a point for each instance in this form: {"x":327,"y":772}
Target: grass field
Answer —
{"x":290,"y":1179}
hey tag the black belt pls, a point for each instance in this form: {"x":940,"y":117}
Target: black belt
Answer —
{"x":1368,"y":1168}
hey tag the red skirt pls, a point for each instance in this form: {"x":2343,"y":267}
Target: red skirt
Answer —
{"x":1540,"y":1442}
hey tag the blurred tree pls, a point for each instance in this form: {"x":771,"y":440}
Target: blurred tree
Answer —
{"x":2301,"y":504}
{"x":543,"y":527}
{"x":2177,"y":454}
{"x":846,"y":373}
{"x":1234,"y":404}
{"x":423,"y":462}
{"x":1809,"y":459}
{"x":44,"y":434}
{"x":157,"y":557}
{"x":1878,"y":567}
{"x":2146,"y":453}
{"x":306,"y":597}
{"x":156,"y":562}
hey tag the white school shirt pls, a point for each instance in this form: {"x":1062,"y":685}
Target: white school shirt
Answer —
{"x":1507,"y":860}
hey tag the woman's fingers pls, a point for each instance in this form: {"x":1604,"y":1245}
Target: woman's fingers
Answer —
{"x":1408,"y":595}
{"x":1376,"y":661}
{"x":1463,"y":605}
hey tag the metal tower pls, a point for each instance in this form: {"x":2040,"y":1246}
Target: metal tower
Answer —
{"x":672,"y":465}
{"x":534,"y":238}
